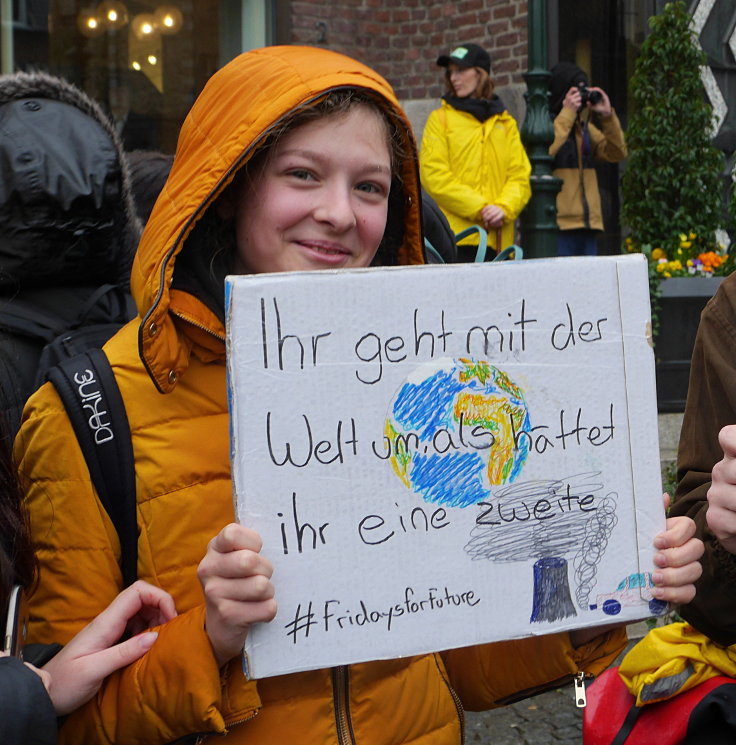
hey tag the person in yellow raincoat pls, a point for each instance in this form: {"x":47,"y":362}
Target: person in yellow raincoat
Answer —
{"x":472,"y":161}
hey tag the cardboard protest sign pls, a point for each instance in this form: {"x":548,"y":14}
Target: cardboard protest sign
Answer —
{"x":439,"y":456}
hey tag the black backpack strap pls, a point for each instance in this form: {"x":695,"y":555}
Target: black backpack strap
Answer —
{"x":88,"y":389}
{"x":627,"y":725}
{"x":107,"y":304}
{"x":27,"y":319}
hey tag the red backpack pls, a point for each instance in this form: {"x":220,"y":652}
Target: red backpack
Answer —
{"x":704,"y":715}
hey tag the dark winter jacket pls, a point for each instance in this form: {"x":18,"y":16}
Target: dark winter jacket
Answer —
{"x":711,"y":405}
{"x":27,"y":716}
{"x":67,"y":220}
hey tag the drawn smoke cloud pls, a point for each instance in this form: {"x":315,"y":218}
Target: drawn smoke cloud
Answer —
{"x":542,"y":521}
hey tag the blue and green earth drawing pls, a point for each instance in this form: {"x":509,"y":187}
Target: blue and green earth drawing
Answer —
{"x":454,"y":429}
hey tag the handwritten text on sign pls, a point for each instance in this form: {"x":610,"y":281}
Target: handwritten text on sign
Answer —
{"x":439,"y":456}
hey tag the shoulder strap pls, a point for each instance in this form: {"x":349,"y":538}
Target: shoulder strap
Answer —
{"x":27,"y":319}
{"x":88,"y":389}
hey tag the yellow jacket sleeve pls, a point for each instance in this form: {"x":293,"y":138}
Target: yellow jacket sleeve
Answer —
{"x":491,"y":675}
{"x":439,"y":179}
{"x":175,"y":689}
{"x":516,"y":189}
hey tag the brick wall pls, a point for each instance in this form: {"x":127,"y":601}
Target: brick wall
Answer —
{"x":402,"y":39}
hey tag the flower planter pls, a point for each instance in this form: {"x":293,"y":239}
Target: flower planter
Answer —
{"x":680,"y":305}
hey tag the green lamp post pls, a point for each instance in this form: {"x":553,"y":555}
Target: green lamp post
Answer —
{"x":539,"y":218}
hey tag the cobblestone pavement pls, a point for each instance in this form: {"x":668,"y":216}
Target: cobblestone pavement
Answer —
{"x":548,"y":719}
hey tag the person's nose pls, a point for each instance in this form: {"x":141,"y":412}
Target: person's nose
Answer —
{"x":336,"y":208}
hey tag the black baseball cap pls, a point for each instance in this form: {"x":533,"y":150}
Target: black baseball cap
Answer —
{"x":467,"y":55}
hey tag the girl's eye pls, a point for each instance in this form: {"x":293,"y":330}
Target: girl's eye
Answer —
{"x":371,"y":188}
{"x":300,"y":173}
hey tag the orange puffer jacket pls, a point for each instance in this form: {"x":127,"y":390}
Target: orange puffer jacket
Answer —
{"x":169,"y":364}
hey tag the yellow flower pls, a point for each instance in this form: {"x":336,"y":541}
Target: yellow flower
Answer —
{"x":667,"y":274}
{"x":692,"y":236}
{"x":683,"y":237}
{"x":685,"y":244}
{"x":658,"y":253}
{"x":661,"y":267}
{"x":689,"y":262}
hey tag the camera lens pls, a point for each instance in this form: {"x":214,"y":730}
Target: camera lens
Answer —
{"x":583,"y":93}
{"x":595,"y":97}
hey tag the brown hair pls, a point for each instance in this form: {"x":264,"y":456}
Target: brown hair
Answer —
{"x":212,"y":230}
{"x":17,"y":560}
{"x":334,"y":103}
{"x":484,"y":89}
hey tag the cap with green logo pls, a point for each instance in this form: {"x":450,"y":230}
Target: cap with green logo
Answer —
{"x":467,"y":55}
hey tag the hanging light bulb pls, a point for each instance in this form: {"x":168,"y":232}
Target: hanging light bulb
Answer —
{"x":152,"y":59}
{"x":169,"y":19}
{"x":144,"y":26}
{"x":89,"y":24}
{"x":113,"y":14}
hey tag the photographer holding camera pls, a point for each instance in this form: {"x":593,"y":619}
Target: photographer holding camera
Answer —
{"x":578,"y":142}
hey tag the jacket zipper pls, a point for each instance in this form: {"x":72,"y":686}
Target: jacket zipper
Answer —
{"x":579,"y":681}
{"x":196,"y":738}
{"x":460,"y":710}
{"x":341,"y":698}
{"x":200,"y":326}
{"x":456,"y":700}
{"x":578,"y":678}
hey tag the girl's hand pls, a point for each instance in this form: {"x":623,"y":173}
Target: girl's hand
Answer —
{"x":77,"y":672}
{"x":237,"y":586}
{"x":678,"y":560}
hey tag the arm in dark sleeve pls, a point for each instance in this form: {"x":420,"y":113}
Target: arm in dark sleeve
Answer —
{"x":711,"y":405}
{"x":27,"y":715}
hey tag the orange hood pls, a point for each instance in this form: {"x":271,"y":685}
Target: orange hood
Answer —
{"x":238,"y":106}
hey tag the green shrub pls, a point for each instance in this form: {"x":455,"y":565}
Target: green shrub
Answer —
{"x":672,"y":184}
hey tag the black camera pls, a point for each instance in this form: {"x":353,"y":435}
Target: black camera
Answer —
{"x":595,"y":97}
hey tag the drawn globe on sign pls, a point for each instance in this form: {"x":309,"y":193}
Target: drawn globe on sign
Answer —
{"x":453,"y":431}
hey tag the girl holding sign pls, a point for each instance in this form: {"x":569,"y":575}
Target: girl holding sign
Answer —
{"x":291,"y":159}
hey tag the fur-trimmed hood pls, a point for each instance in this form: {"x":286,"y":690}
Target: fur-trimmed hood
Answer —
{"x":66,"y":208}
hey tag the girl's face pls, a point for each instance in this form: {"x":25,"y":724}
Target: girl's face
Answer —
{"x":464,"y":80}
{"x":320,"y":199}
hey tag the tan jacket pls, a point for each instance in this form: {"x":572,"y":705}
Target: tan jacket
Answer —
{"x":170,"y":367}
{"x":579,"y":200}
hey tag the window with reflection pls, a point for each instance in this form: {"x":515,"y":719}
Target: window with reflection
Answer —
{"x":144,"y":62}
